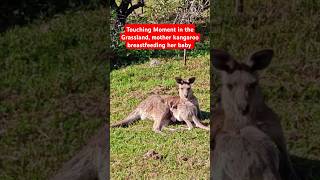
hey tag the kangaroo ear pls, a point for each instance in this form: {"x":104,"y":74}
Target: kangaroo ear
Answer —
{"x":191,"y":80}
{"x":222,"y":60}
{"x":260,"y":59}
{"x":179,"y":80}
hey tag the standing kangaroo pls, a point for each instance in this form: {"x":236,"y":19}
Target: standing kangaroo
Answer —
{"x":157,"y":107}
{"x":248,"y":141}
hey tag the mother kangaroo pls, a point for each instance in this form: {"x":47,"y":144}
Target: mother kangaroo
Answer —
{"x":157,"y":107}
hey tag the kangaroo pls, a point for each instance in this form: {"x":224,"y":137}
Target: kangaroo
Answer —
{"x":90,"y":163}
{"x":157,"y":107}
{"x":186,"y":111}
{"x":246,"y":154}
{"x":244,"y":119}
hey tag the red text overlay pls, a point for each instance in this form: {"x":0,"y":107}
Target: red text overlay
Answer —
{"x":159,"y":36}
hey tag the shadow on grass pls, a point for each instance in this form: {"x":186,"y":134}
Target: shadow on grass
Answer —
{"x":307,"y":169}
{"x":205,"y":115}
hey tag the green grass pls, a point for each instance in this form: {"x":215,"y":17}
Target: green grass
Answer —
{"x":185,"y":153}
{"x":291,"y":83}
{"x":51,"y":92}
{"x":51,"y":98}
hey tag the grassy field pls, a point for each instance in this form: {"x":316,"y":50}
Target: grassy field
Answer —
{"x":185,"y":154}
{"x":51,"y":91}
{"x":291,"y":84}
{"x":52,"y":100}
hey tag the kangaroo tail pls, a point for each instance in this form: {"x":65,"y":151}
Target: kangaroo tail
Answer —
{"x":133,"y":116}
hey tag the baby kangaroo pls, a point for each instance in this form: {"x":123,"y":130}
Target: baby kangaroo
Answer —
{"x":187,"y":112}
{"x":249,"y":143}
{"x":157,"y":107}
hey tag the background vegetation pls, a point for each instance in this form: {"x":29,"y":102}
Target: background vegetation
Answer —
{"x":161,"y":11}
{"x":51,"y":91}
{"x":21,"y":12}
{"x":291,"y":84}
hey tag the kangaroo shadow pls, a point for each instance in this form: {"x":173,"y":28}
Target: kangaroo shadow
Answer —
{"x":307,"y":169}
{"x":205,"y":115}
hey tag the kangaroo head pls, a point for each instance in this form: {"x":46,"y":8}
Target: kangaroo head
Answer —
{"x":185,"y":91}
{"x":240,"y":90}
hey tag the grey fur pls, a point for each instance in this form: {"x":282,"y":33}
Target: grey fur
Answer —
{"x":243,"y":106}
{"x":157,"y":107}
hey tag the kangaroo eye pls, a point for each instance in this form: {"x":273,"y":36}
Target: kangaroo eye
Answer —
{"x":188,"y":88}
{"x":229,"y":86}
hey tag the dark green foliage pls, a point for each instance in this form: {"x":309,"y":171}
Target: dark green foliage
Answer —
{"x":20,"y":12}
{"x":51,"y":91}
{"x":124,"y":57}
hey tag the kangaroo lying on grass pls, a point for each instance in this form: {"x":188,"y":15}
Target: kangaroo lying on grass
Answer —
{"x":248,"y":142}
{"x":157,"y":107}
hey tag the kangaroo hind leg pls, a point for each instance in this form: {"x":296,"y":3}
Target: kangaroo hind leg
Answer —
{"x":199,"y":125}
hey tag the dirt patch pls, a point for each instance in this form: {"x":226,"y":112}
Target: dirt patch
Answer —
{"x":152,"y":154}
